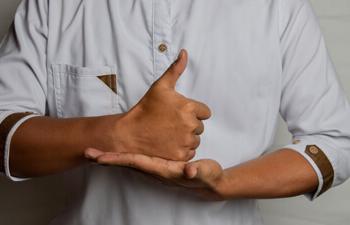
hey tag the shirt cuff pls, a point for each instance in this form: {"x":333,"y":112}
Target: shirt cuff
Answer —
{"x":8,"y":125}
{"x":316,"y":154}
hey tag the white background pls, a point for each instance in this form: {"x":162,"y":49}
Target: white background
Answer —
{"x":35,"y":202}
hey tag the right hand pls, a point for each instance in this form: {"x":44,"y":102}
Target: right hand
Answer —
{"x":164,"y":123}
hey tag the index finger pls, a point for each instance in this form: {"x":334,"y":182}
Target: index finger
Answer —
{"x":152,"y":165}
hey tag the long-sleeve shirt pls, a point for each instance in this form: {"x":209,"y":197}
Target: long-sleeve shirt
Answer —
{"x":249,"y":61}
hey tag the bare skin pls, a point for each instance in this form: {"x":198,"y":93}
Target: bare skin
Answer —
{"x":158,"y":136}
{"x":283,"y":173}
{"x":163,"y":123}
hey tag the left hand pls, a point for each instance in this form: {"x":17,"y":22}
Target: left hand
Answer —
{"x":204,"y":177}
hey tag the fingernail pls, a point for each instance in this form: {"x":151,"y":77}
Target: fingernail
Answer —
{"x":195,"y":171}
{"x":182,"y":52}
{"x":92,"y":154}
{"x":192,"y":173}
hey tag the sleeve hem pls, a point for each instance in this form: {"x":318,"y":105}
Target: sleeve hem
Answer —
{"x":300,"y":148}
{"x":7,"y":148}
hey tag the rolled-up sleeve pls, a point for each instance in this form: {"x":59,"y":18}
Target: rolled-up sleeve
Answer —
{"x":22,"y":73}
{"x":313,"y":103}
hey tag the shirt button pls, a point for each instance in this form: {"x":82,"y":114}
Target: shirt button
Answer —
{"x":162,"y":47}
{"x":314,"y":150}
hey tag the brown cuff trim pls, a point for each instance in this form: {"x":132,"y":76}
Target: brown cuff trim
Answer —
{"x":323,"y":163}
{"x":110,"y":80}
{"x":5,"y":128}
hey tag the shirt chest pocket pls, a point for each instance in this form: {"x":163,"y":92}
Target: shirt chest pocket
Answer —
{"x":85,"y":91}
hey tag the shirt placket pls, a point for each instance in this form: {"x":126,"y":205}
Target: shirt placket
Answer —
{"x":162,"y":45}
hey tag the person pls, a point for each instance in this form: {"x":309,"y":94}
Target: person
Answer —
{"x":179,"y":100}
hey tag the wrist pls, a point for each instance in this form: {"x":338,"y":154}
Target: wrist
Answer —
{"x":128,"y":137}
{"x":107,"y":133}
{"x":227,"y":186}
{"x":221,"y":186}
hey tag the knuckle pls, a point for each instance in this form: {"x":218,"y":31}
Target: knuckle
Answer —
{"x":166,"y":172}
{"x":192,"y":141}
{"x":190,"y":106}
{"x":169,"y":173}
{"x":209,"y":112}
{"x":188,"y":141}
{"x":197,"y":142}
{"x":201,"y":128}
{"x":198,"y":139}
{"x":181,"y":155}
{"x":191,"y":154}
{"x":192,"y":126}
{"x":205,"y":108}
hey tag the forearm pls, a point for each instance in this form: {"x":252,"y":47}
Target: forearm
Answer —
{"x":44,"y":145}
{"x":283,"y":173}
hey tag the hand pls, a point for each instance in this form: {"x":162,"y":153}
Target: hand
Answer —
{"x":204,"y":177}
{"x":164,"y":123}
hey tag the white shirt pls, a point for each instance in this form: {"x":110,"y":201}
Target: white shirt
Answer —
{"x":248,"y":61}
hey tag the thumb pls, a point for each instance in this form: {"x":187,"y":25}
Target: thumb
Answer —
{"x":173,"y":73}
{"x":205,"y":170}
